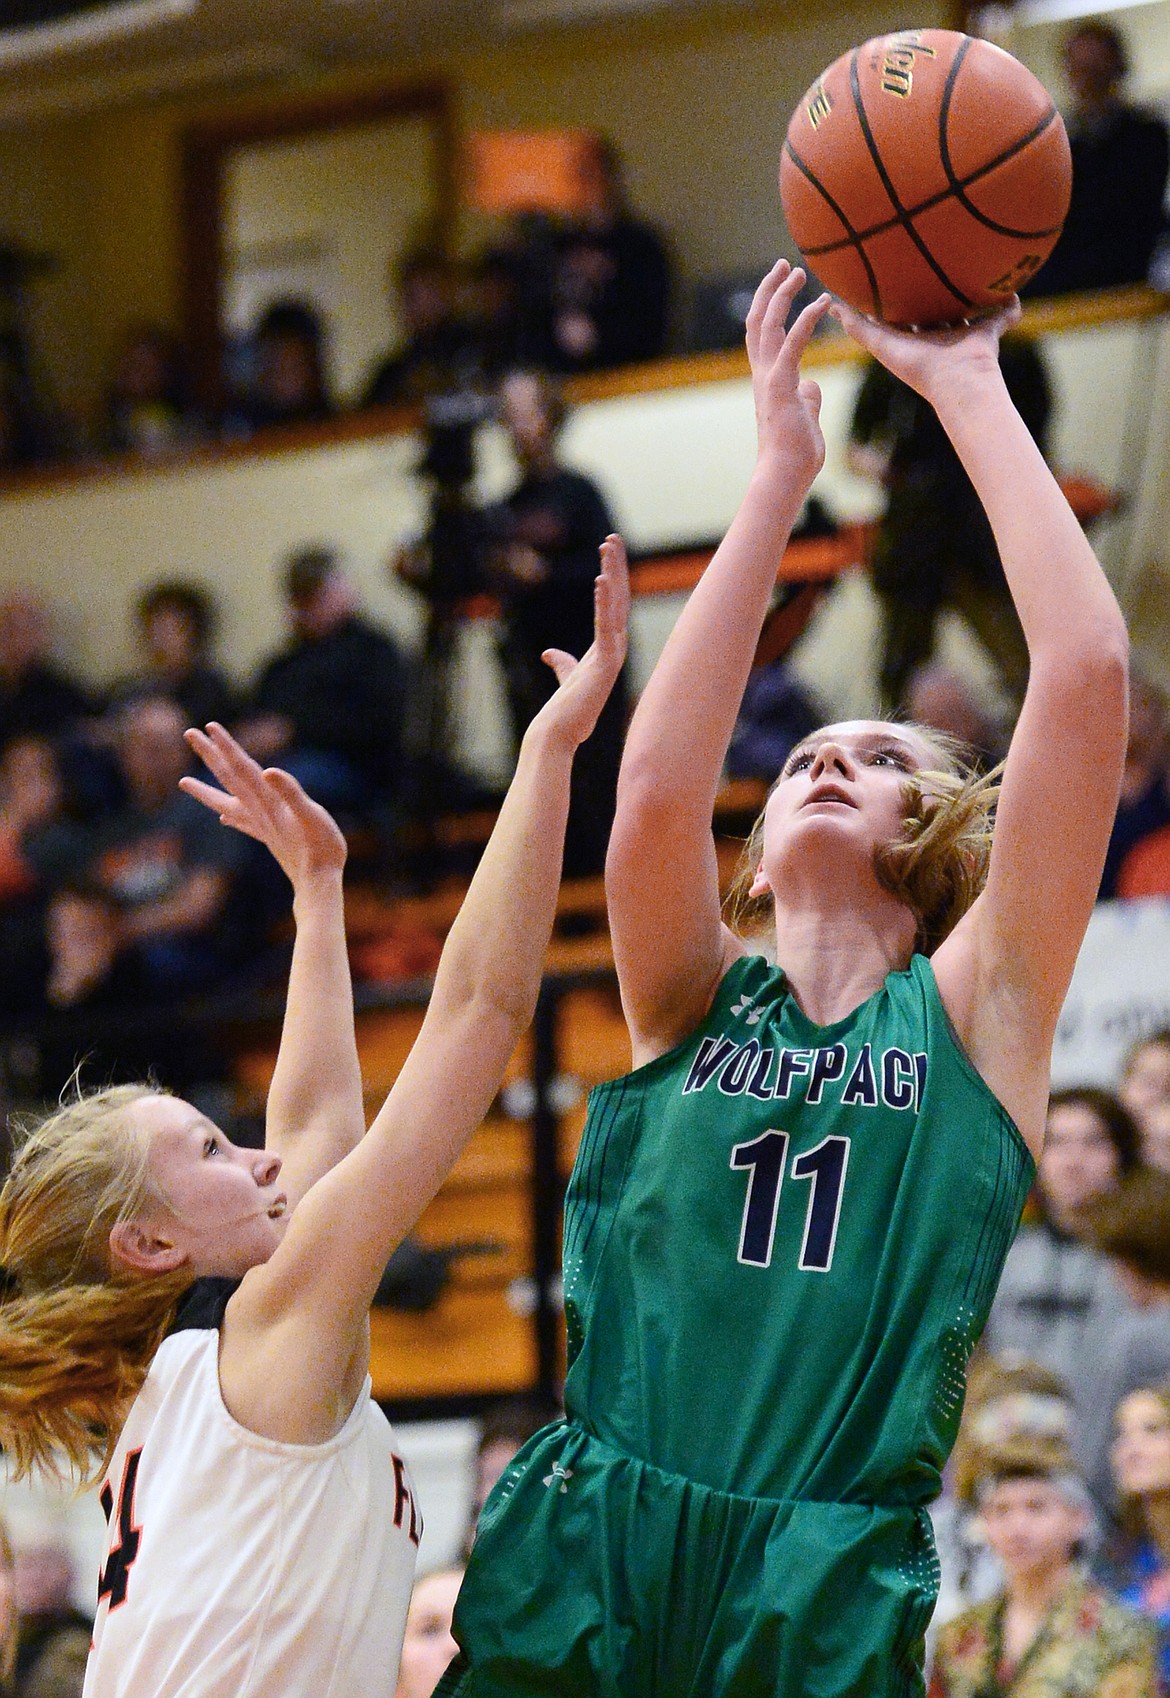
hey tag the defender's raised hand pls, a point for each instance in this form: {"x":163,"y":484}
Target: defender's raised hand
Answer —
{"x":265,"y":803}
{"x":787,"y":405}
{"x":585,"y":684}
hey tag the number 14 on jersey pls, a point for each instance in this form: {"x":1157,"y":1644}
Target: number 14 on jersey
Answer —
{"x":766,"y":1158}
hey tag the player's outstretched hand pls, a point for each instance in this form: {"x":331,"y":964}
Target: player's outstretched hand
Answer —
{"x":585,"y":684}
{"x":268,"y":804}
{"x":931,"y":359}
{"x":787,"y":406}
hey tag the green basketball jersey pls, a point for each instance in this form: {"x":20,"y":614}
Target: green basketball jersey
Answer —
{"x":782,"y":1241}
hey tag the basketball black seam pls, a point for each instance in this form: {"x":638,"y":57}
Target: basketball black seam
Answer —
{"x":932,"y":201}
{"x":903,"y":218}
{"x":958,"y":184}
{"x":851,"y":240}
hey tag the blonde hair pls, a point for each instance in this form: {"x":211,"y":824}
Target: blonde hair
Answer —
{"x":77,"y":1331}
{"x":937,"y":866}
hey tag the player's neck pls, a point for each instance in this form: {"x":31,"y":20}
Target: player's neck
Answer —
{"x":835,"y":960}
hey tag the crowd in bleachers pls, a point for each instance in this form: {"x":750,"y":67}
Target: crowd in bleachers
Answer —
{"x":565,"y":292}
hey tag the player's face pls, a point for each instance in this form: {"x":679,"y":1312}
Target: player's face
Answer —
{"x":1031,"y":1526}
{"x":221,"y":1205}
{"x":1141,"y":1446}
{"x":428,"y":1647}
{"x":843,"y":786}
{"x":1078,"y":1161}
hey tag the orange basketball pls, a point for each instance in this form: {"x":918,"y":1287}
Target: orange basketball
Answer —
{"x":925,"y":176}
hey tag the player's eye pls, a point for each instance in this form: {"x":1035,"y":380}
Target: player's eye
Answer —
{"x":211,"y":1146}
{"x":892,"y":757}
{"x":798,"y":762}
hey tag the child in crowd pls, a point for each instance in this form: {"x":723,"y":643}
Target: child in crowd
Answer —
{"x":1050,"y":1632}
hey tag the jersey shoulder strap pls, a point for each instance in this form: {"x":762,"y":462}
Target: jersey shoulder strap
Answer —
{"x":202,"y":1306}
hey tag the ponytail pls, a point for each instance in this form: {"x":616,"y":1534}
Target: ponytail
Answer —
{"x":76,"y":1334}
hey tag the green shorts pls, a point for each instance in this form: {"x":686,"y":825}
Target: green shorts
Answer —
{"x":595,"y":1575}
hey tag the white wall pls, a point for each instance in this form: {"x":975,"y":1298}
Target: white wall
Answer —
{"x":673,"y":463}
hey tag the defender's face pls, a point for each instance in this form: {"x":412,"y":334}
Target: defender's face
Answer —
{"x":841,"y":789}
{"x":221,"y":1204}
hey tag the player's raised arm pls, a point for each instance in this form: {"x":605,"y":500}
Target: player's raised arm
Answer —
{"x":303,"y":1312}
{"x":314,"y":1114}
{"x":1005,"y":970}
{"x":661,"y":878}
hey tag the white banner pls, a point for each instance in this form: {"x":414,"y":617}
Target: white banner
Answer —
{"x":1120,"y":991}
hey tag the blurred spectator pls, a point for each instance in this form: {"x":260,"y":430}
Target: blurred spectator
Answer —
{"x":286,"y":382}
{"x":328,"y":706}
{"x":1009,"y":1400}
{"x":610,"y":279}
{"x":40,"y":839}
{"x":1156,"y":1137}
{"x":37,"y":698}
{"x":149,"y":410}
{"x":1055,"y":1289}
{"x":1144,"y":804}
{"x":26,"y":436}
{"x":436,"y":352}
{"x":775,"y":714}
{"x":9,"y":1623}
{"x":504,"y":1428}
{"x":176,"y":623}
{"x":1120,"y":158}
{"x":934,"y":547}
{"x":941,"y":700}
{"x":54,"y":1636}
{"x":543,"y":542}
{"x":146,"y":912}
{"x":1050,"y":1632}
{"x":1145,"y":1076}
{"x":1131,"y":1225}
{"x":445,"y":566}
{"x":495,"y":282}
{"x":38,"y":827}
{"x":1137,"y":1562}
{"x":427,"y":1646}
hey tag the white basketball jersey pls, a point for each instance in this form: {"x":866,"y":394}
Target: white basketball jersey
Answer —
{"x":239,"y":1567}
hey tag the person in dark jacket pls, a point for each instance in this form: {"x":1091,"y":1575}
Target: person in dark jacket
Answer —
{"x":328,"y":705}
{"x":1120,"y":161}
{"x":542,"y":544}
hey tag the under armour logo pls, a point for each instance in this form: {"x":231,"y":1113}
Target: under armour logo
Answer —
{"x":559,"y":1473}
{"x":745,"y":1002}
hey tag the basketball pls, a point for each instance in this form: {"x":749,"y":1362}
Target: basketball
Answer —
{"x":925,"y":177}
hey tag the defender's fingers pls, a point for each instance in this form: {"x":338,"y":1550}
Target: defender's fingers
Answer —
{"x":564,"y":665}
{"x":773,"y":331}
{"x":761,"y":301}
{"x":219,"y":801}
{"x":223,"y":756}
{"x":801,"y":333}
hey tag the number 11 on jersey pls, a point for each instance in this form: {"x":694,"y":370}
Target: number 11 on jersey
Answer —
{"x":765,"y":1158}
